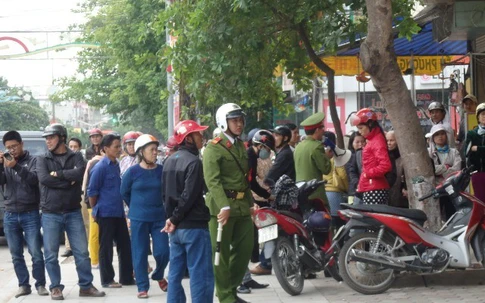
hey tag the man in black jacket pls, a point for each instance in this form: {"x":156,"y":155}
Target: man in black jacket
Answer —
{"x":60,"y":172}
{"x":188,"y":217}
{"x":22,"y":212}
{"x":284,"y":164}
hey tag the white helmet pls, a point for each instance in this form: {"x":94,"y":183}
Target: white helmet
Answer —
{"x":144,"y":140}
{"x":228,"y":111}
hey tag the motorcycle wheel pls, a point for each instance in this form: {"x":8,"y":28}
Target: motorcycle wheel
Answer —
{"x":368,"y":279}
{"x":287,"y":267}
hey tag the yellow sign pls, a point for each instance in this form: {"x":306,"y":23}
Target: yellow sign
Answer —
{"x":471,"y":121}
{"x":351,"y":66}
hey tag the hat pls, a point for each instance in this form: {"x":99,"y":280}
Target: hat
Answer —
{"x":437,"y":128}
{"x":480,"y":108}
{"x":470,"y":97}
{"x":314,"y":121}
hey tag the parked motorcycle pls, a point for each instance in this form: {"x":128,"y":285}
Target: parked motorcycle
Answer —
{"x":290,"y":240}
{"x":391,"y":240}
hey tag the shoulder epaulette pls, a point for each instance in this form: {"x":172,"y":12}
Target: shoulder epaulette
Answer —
{"x":216,"y":140}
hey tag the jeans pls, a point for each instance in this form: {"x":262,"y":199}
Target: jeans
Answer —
{"x":72,"y":224}
{"x":15,"y":224}
{"x":191,"y":248}
{"x":264,"y":262}
{"x":140,"y":242}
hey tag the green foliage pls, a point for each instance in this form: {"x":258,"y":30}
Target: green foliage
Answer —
{"x":8,"y":93}
{"x":22,"y":116}
{"x":228,"y":50}
{"x":125,"y":75}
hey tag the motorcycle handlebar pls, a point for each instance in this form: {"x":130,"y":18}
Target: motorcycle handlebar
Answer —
{"x":427,"y":196}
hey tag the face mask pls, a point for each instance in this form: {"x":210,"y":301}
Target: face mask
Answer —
{"x":264,"y":154}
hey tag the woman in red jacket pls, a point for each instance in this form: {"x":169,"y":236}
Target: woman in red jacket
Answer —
{"x":375,"y":158}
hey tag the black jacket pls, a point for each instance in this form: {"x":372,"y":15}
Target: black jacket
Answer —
{"x":91,"y":152}
{"x":22,"y":185}
{"x":253,"y":171}
{"x":284,"y":164}
{"x":60,"y":194}
{"x":183,"y":186}
{"x":354,"y":169}
{"x":476,"y":158}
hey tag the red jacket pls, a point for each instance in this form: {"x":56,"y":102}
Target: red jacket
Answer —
{"x":375,"y":163}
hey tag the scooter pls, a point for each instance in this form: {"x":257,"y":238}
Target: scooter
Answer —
{"x":291,"y":244}
{"x":388,"y":240}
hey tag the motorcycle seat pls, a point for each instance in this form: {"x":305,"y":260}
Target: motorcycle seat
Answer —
{"x":415,"y":214}
{"x":290,"y":214}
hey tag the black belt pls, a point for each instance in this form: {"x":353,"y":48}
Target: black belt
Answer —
{"x":235,"y":195}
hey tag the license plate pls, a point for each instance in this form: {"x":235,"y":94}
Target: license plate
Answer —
{"x":338,"y":232}
{"x":268,"y":233}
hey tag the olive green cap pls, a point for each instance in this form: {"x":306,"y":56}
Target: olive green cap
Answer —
{"x":313,"y":121}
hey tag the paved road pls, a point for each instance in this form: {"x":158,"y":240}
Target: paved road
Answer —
{"x":456,"y":286}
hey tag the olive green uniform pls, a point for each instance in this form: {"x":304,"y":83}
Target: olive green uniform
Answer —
{"x":222,"y":174}
{"x":311,"y":162}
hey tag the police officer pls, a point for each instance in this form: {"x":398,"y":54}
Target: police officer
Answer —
{"x":311,"y":162}
{"x":225,"y":165}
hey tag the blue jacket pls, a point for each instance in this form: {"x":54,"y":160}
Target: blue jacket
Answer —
{"x":105,"y":183}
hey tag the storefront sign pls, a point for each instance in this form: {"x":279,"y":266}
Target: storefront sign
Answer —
{"x":423,"y":65}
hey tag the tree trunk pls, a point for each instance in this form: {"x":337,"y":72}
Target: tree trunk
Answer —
{"x":379,"y":60}
{"x":331,"y":83}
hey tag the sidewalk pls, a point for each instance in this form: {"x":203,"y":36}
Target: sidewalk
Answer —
{"x":455,"y":286}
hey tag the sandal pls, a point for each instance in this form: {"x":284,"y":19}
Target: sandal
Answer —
{"x":163,"y":284}
{"x":112,"y":285}
{"x":142,"y":295}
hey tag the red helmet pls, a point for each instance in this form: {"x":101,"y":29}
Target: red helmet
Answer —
{"x":95,"y":131}
{"x":171,"y":143}
{"x":362,"y":117}
{"x":131,"y":136}
{"x":183,"y":128}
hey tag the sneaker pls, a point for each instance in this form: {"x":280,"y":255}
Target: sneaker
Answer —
{"x":41,"y":291}
{"x":67,"y":253}
{"x":259,"y":270}
{"x":56,"y":294}
{"x":23,"y":291}
{"x":91,"y":292}
{"x":255,"y":285}
{"x":243,"y":289}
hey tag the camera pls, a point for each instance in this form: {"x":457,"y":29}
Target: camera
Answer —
{"x":7,"y":155}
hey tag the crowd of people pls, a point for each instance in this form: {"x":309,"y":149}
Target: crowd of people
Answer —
{"x":174,"y":209}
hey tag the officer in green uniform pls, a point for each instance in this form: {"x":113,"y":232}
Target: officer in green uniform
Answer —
{"x":311,"y":162}
{"x":229,"y":200}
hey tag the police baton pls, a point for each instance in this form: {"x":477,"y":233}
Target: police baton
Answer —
{"x":218,"y":244}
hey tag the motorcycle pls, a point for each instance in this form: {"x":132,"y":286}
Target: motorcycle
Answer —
{"x":388,"y":240}
{"x":290,"y":242}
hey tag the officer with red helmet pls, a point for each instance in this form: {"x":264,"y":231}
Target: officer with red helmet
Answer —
{"x":95,"y":136}
{"x":128,"y":142}
{"x":188,"y":216}
{"x":375,"y":158}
